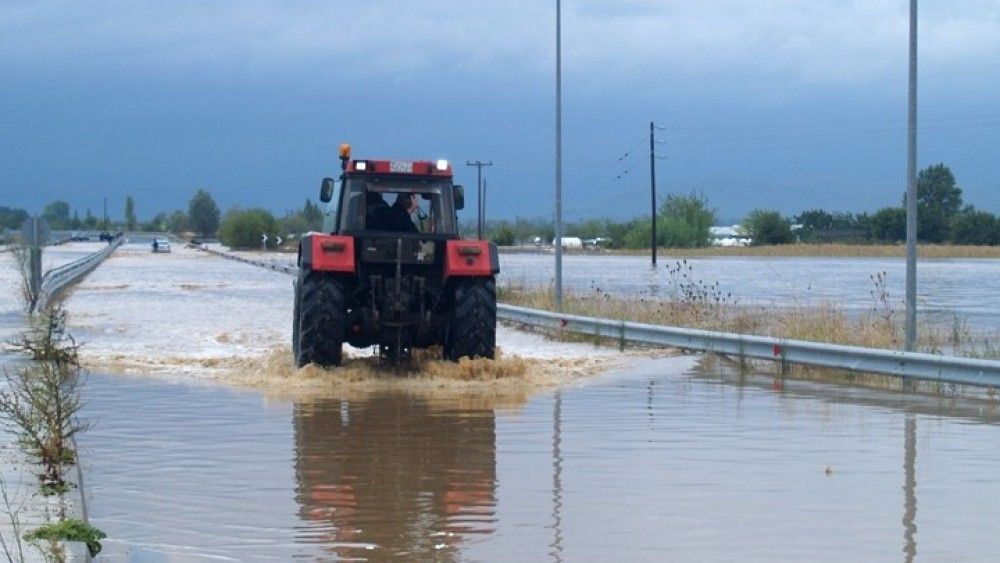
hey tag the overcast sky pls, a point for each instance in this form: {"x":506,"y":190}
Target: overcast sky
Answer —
{"x":785,"y":104}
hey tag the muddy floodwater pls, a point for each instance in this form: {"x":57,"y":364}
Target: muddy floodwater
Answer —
{"x":664,"y":461}
{"x":208,"y":446}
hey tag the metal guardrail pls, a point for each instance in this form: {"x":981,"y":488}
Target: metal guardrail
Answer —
{"x":905,"y":365}
{"x":56,"y":280}
{"x":275,"y":266}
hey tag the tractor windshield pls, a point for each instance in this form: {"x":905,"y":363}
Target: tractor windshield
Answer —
{"x":397,"y":205}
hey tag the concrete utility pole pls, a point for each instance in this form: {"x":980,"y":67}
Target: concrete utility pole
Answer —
{"x":911,"y":190}
{"x":558,"y":221}
{"x":35,"y":265}
{"x":479,"y":192}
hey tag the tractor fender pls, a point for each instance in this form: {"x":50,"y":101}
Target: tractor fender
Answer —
{"x":327,"y":253}
{"x":471,"y":258}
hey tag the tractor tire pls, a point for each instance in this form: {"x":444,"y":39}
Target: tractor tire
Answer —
{"x":295,"y":323}
{"x":322,"y":320}
{"x":472,"y":328}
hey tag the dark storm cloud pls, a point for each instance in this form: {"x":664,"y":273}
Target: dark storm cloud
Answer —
{"x":784,"y":104}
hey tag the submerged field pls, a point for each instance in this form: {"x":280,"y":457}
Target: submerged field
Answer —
{"x":799,"y":250}
{"x":698,"y":304}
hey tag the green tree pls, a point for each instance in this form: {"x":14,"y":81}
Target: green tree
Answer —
{"x":815,"y":220}
{"x":504,"y":235}
{"x":57,"y":214}
{"x":242,"y":228}
{"x":975,"y":227}
{"x":203,"y":213}
{"x":684,"y":221}
{"x":177,"y":222}
{"x":12,"y":217}
{"x":818,"y":225}
{"x":295,"y":224}
{"x":938,"y":200}
{"x":89,"y":220}
{"x":157,"y":223}
{"x":313,"y":215}
{"x":130,"y":219}
{"x":889,"y":224}
{"x":309,"y":218}
{"x":766,"y":226}
{"x":638,"y":233}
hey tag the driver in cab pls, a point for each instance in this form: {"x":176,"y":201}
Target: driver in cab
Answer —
{"x":380,"y":216}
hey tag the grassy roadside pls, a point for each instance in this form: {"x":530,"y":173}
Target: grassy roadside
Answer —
{"x":803,"y":250}
{"x":704,"y":307}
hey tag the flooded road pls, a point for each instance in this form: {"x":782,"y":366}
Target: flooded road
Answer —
{"x":664,"y":461}
{"x":208,"y":446}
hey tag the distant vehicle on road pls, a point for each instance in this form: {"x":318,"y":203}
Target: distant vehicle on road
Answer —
{"x":161,"y":245}
{"x":79,"y":237}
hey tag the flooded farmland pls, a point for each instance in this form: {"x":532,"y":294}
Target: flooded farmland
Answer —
{"x":948,"y":290}
{"x":206,"y":446}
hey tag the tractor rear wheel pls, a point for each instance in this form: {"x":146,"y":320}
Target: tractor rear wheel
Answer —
{"x":321,"y":320}
{"x":295,"y":323}
{"x":472,"y":328}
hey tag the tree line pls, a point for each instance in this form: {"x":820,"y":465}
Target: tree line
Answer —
{"x":683,"y":221}
{"x":238,"y":227}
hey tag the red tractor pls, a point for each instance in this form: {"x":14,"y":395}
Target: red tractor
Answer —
{"x":393,"y":275}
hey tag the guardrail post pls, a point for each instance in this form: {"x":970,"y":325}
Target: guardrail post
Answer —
{"x":35,"y":269}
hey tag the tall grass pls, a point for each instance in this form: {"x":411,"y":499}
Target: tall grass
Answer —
{"x":700,"y":304}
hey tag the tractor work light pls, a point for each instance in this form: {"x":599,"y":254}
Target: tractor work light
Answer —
{"x":332,"y":246}
{"x":360,"y":165}
{"x":442,"y":165}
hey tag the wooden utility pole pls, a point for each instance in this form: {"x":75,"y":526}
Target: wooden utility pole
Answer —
{"x":652,"y":189}
{"x":479,"y":192}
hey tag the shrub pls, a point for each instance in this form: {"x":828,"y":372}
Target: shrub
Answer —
{"x":768,"y":227}
{"x":975,"y":227}
{"x":242,"y":228}
{"x":70,"y":529}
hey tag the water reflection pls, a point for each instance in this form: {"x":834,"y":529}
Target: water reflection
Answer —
{"x":392,"y":475}
{"x":910,"y":404}
{"x":910,"y":489}
{"x":556,"y":547}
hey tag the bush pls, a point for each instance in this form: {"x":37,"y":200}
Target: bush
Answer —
{"x":889,"y":224}
{"x":70,"y":530}
{"x":685,"y":222}
{"x":242,"y":229}
{"x":504,"y":236}
{"x":768,"y":227}
{"x":975,"y":227}
{"x":40,"y":401}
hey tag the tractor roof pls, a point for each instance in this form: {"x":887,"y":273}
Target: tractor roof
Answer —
{"x":439,"y":168}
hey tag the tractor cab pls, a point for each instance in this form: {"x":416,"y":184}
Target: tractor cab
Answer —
{"x":392,"y":196}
